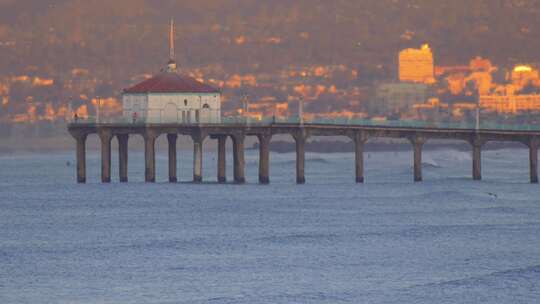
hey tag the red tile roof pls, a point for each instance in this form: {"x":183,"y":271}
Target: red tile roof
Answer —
{"x":170,"y":82}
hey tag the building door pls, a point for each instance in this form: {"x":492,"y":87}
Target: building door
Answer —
{"x":205,"y":114}
{"x":170,"y":113}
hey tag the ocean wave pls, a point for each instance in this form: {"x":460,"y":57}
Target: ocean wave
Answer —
{"x":429,"y":162}
{"x":454,"y":155}
{"x":301,"y":297}
{"x":516,"y":274}
{"x":314,"y":160}
{"x":298,"y":238}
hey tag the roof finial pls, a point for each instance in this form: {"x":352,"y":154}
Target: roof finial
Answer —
{"x":171,"y":66}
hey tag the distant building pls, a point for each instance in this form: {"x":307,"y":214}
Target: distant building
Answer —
{"x":510,"y":103}
{"x":417,"y":65}
{"x":396,"y":97}
{"x":431,"y":110}
{"x":169,"y":97}
{"x":444,"y":71}
{"x":483,"y":82}
{"x":479,"y":64}
{"x":523,"y":75}
{"x":369,"y":73}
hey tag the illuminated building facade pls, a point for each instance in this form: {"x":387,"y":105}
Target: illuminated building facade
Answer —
{"x":510,"y":104}
{"x":523,"y":75}
{"x":417,"y":65}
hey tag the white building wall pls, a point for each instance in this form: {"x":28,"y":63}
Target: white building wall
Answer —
{"x":135,"y":103}
{"x":174,"y":108}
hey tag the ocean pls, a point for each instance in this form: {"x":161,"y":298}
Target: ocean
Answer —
{"x":446,"y":240}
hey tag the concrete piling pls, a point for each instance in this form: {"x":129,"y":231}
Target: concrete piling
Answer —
{"x":418,"y":144}
{"x":150,"y":157}
{"x":222,"y":159}
{"x":106,"y":138}
{"x":239,"y":160}
{"x":300,"y":158}
{"x":171,"y":139}
{"x":533,"y":160}
{"x":198,"y":140}
{"x":477,"y":159}
{"x":123,"y":157}
{"x":81,"y":158}
{"x":359,"y":140}
{"x":264,"y":158}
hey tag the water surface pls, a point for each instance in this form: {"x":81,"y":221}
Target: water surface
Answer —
{"x":447,"y":240}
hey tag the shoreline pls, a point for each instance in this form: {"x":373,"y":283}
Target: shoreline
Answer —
{"x":348,"y":147}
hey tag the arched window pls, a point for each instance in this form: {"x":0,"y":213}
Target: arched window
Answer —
{"x":185,"y":102}
{"x":206,"y":106}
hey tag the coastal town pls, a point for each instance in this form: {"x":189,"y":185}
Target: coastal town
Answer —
{"x":421,"y":90}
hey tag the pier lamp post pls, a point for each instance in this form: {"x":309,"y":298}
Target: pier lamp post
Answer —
{"x":301,"y":99}
{"x":199,"y":111}
{"x":71,"y":114}
{"x":477,"y":118}
{"x":301,"y":109}
{"x":98,"y":109}
{"x":245,"y":104}
{"x":478,"y":115}
{"x":274,"y":113}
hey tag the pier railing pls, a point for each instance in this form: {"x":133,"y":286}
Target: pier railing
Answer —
{"x":338,"y":121}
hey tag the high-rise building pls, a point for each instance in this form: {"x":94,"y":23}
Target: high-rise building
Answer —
{"x":416,"y":65}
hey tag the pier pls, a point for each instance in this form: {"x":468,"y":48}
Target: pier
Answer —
{"x":237,"y":131}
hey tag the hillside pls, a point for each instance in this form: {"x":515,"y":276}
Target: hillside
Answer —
{"x":131,"y":33}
